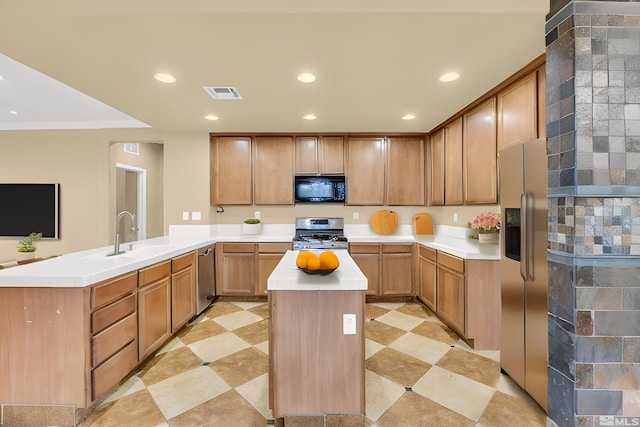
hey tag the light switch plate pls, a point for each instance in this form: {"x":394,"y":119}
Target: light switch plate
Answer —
{"x":349,"y":324}
{"x":185,"y":216}
{"x":196,"y":216}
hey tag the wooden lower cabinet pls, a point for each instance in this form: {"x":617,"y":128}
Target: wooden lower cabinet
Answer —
{"x":154,"y":308}
{"x":388,"y":267}
{"x":269,"y":255}
{"x":183,"y":290}
{"x":236,"y":268}
{"x":451,"y":295}
{"x":427,"y":273}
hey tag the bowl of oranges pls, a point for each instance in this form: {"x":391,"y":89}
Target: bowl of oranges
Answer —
{"x":324,"y":263}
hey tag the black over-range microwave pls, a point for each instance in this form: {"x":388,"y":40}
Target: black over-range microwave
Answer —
{"x":319,"y":189}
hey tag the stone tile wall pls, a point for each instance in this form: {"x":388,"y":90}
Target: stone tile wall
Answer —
{"x":593,"y":129}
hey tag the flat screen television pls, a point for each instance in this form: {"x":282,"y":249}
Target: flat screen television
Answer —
{"x":30,"y":208}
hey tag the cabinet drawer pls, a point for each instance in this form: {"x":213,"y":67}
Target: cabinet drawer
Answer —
{"x":428,"y":253}
{"x":115,"y":337}
{"x":110,"y":314}
{"x":239,"y":247}
{"x":396,"y":248}
{"x":364,"y":248}
{"x":181,"y":262}
{"x":154,"y":273}
{"x":451,"y":262}
{"x":107,"y":375}
{"x":274,"y":247}
{"x":113,"y":289}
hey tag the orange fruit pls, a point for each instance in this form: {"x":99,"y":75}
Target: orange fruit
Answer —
{"x":313,"y":262}
{"x":301,"y":259}
{"x":328,"y":260}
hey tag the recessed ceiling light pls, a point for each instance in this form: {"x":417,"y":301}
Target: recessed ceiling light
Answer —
{"x":14,"y":112}
{"x":309,"y":117}
{"x":449,"y":77}
{"x":164,"y":77}
{"x":306,"y":77}
{"x":211,"y":117}
{"x":408,"y":117}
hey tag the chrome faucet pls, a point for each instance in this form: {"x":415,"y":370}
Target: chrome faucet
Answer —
{"x":116,"y":249}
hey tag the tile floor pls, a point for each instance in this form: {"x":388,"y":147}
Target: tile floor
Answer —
{"x":418,"y":373}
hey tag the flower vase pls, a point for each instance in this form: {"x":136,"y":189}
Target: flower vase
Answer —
{"x":491,"y":238}
{"x":25,"y":256}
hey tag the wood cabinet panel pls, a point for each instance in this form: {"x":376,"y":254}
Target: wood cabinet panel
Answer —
{"x":451,"y":299}
{"x":236,"y":272}
{"x":273,"y":170}
{"x":269,"y":255}
{"x":453,"y":182}
{"x":183,"y":297}
{"x":115,"y":337}
{"x":306,"y":149}
{"x":437,"y":163}
{"x":451,"y":262}
{"x":397,"y":272}
{"x":480,"y":154}
{"x":331,"y":155}
{"x":113,"y":289}
{"x":231,"y":171}
{"x":111,"y":313}
{"x":428,"y":281}
{"x":107,"y":375}
{"x":154,"y":316}
{"x":405,"y":172}
{"x":369,"y":264}
{"x":517,"y":111}
{"x":154,"y":273}
{"x":542,"y":103}
{"x":365,"y":171}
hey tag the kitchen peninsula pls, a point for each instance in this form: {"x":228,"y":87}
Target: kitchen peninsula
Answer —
{"x":316,"y":339}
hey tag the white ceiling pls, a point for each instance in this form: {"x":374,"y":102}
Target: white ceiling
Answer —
{"x":375,"y":61}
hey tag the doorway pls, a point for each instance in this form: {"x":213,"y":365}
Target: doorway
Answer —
{"x":131,"y":188}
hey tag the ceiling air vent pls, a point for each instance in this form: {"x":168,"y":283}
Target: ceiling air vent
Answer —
{"x":223,"y":92}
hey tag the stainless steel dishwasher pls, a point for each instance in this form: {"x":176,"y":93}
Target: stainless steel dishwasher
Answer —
{"x":206,"y":278}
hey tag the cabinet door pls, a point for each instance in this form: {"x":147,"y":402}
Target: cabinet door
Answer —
{"x":183,"y":297}
{"x":273,"y":170}
{"x":397,"y":269}
{"x":437,"y":163}
{"x":231,"y":177}
{"x":306,"y":155}
{"x":269,"y":255}
{"x":365,"y":171}
{"x":236,"y":269}
{"x":428,"y":278}
{"x":453,"y":163}
{"x":331,"y":155}
{"x":517,"y":111}
{"x":405,"y":172}
{"x":451,"y":299}
{"x":154,"y":316}
{"x":367,"y":257}
{"x":480,"y":155}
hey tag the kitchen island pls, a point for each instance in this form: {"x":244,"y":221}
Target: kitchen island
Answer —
{"x":316,"y":340}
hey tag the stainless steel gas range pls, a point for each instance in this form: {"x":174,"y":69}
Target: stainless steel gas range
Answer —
{"x":320,"y":233}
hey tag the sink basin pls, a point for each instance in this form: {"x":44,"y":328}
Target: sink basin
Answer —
{"x":142,"y":252}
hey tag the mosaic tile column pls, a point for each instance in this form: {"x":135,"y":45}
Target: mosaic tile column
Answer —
{"x":593,"y":146}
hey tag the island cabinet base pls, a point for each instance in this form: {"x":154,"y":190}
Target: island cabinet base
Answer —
{"x":315,"y":369}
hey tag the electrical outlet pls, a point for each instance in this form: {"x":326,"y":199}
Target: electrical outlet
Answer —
{"x":196,"y":216}
{"x":185,"y":216}
{"x":349,"y":324}
{"x":455,"y":217}
{"x":356,"y":215}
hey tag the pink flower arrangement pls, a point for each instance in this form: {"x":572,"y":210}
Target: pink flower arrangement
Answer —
{"x":486,"y":222}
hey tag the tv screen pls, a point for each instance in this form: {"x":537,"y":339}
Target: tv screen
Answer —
{"x":30,"y":208}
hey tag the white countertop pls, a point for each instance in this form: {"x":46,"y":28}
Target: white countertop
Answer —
{"x":86,"y":268}
{"x":288,"y":277}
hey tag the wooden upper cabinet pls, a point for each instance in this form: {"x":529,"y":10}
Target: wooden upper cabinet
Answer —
{"x":517,"y":112}
{"x":273,"y":170}
{"x":365,"y":171}
{"x":319,"y":155}
{"x":480,"y":154}
{"x":405,"y":171}
{"x":453,"y":176}
{"x":231,"y":171}
{"x":542,"y":102}
{"x":436,"y":147}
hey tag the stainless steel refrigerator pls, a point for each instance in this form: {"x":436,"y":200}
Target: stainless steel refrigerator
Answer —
{"x":523,"y":281}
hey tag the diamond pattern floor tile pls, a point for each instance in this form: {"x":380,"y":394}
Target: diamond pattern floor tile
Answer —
{"x":418,"y":373}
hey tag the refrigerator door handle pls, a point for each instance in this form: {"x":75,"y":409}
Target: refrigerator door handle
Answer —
{"x":529,"y":239}
{"x":524,"y":259}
